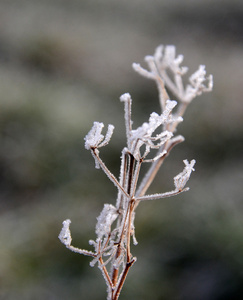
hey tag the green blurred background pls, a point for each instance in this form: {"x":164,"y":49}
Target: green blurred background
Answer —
{"x":64,"y":64}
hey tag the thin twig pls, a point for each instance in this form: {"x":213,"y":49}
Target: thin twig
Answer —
{"x":123,"y":278}
{"x":108,"y":173}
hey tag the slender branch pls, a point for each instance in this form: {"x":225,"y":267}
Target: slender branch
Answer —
{"x":123,"y":174}
{"x":108,"y":172}
{"x":123,"y":278}
{"x":115,"y":271}
{"x":162,"y":195}
{"x":131,"y":208}
{"x":155,"y":166}
{"x":163,"y":95}
{"x":136,"y":176}
{"x":126,"y":98}
{"x":130,"y":173}
{"x":149,"y":176}
{"x":81,"y":251}
{"x":105,"y":271}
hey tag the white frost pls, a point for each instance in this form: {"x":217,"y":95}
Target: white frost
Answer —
{"x":65,"y":235}
{"x":95,"y":139}
{"x":107,"y":216}
{"x":181,"y":179}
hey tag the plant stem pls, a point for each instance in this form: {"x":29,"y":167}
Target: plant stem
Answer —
{"x":123,"y":278}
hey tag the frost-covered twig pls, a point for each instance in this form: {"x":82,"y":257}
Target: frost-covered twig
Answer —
{"x":163,"y":62}
{"x":149,"y":143}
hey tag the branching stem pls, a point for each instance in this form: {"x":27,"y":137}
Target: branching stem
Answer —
{"x":115,"y":224}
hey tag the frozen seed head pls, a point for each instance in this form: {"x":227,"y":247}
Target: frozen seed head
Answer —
{"x":199,"y":84}
{"x":125,"y":97}
{"x":65,"y":235}
{"x":95,"y":139}
{"x":144,"y":135}
{"x":181,"y":179}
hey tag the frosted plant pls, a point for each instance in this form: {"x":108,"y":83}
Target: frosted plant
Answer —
{"x":150,"y":143}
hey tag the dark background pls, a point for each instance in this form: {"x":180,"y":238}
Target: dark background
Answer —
{"x":64,"y":64}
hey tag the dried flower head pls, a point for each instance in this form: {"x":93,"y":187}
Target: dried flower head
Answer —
{"x":115,"y":225}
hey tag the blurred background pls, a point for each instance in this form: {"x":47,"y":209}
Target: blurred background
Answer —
{"x":64,"y":64}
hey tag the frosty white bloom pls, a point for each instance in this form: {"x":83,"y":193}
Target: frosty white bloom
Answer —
{"x":107,"y":216}
{"x":181,"y":179}
{"x":165,"y":57}
{"x":94,"y":139}
{"x":65,"y":235}
{"x":197,"y":84}
{"x":144,"y":134}
{"x":164,"y":60}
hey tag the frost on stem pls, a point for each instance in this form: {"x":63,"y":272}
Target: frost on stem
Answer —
{"x":180,"y":181}
{"x":126,"y":98}
{"x":66,"y":239}
{"x":115,"y":228}
{"x":143,"y":135}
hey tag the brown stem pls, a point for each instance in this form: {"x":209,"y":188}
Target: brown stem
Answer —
{"x":115,"y":272}
{"x":130,"y":173}
{"x":131,"y":208}
{"x":155,"y":168}
{"x":105,"y":271}
{"x":129,"y":170}
{"x":107,"y":172}
{"x":123,"y":278}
